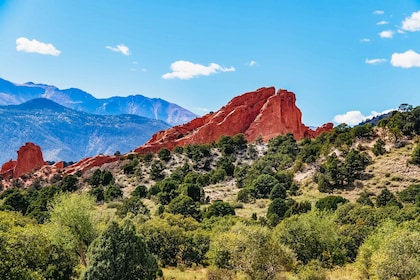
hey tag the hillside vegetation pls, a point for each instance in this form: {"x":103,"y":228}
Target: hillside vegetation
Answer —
{"x":345,"y":205}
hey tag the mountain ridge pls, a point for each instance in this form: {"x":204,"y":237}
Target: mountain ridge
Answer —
{"x":70,"y":135}
{"x":80,"y":100}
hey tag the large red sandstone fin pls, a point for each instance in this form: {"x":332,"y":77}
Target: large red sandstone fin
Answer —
{"x":262,"y":113}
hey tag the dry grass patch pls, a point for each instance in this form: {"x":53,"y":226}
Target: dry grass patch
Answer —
{"x":259,"y":207}
{"x":184,"y":274}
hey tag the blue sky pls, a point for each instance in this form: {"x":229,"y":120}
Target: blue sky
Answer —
{"x":345,"y":60}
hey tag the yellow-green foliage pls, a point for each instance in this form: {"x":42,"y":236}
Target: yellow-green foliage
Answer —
{"x":253,"y":250}
{"x":391,"y":252}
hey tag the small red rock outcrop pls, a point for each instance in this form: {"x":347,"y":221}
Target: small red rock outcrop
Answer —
{"x":262,"y":113}
{"x":7,"y":169}
{"x":29,"y":158}
{"x":88,"y":163}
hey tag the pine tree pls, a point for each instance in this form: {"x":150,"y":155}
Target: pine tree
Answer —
{"x":118,"y":253}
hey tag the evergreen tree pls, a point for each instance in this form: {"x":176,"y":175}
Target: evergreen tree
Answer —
{"x":118,"y":253}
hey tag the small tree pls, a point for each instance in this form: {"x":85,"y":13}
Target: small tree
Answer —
{"x":278,"y":207}
{"x":264,"y":184}
{"x":164,"y":154}
{"x":156,"y":170}
{"x":69,"y":183}
{"x":71,"y":222}
{"x":387,"y":198}
{"x":140,"y":191}
{"x":379,"y":147}
{"x":112,"y":192}
{"x":118,"y":253}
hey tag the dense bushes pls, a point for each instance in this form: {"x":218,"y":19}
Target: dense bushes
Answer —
{"x":171,"y":213}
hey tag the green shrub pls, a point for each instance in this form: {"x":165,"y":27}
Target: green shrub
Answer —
{"x":386,"y":198}
{"x":379,"y":147}
{"x":279,"y":207}
{"x":415,"y":157}
{"x":132,"y":205}
{"x":409,"y":194}
{"x":312,"y":236}
{"x":219,"y":208}
{"x":264,"y":184}
{"x":140,"y":191}
{"x":246,"y":195}
{"x":164,"y":154}
{"x":112,"y":192}
{"x":364,"y":199}
{"x":330,"y":202}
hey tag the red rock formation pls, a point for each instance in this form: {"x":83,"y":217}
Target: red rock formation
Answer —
{"x":88,"y":163}
{"x":59,"y":165}
{"x":29,"y":158}
{"x":262,"y":113}
{"x":7,"y":169}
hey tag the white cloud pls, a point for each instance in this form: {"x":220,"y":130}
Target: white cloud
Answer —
{"x":185,"y":70}
{"x":375,"y":61}
{"x":378,"y":12}
{"x":382,"y":22}
{"x":365,"y":40}
{"x":252,"y":63}
{"x":120,"y":48}
{"x":412,"y":23}
{"x":356,"y":117}
{"x":350,"y":118}
{"x":407,"y":59}
{"x":205,"y":110}
{"x":33,"y":46}
{"x":386,"y":34}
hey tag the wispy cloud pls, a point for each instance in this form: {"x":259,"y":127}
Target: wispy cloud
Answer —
{"x":205,"y":110}
{"x":121,"y":48}
{"x":365,"y":40}
{"x":185,"y":70}
{"x":382,"y":22}
{"x":387,"y":34}
{"x":378,"y":12}
{"x":375,"y":61}
{"x":34,"y":46}
{"x":252,"y":63}
{"x":406,"y":59}
{"x":412,"y":23}
{"x":356,"y":117}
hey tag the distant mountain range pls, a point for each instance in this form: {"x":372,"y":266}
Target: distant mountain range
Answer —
{"x":67,"y":134}
{"x":79,"y":100}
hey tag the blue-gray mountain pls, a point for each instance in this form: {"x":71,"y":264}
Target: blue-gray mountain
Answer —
{"x":70,"y":135}
{"x":73,"y":98}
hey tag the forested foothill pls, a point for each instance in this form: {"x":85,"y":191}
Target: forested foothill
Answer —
{"x":345,"y":205}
